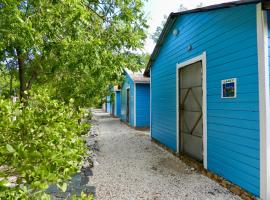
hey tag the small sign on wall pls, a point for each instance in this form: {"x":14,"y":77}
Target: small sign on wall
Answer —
{"x":228,"y":88}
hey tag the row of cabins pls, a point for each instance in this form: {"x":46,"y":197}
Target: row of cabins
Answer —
{"x":209,"y":90}
{"x":131,"y":101}
{"x":112,"y":102}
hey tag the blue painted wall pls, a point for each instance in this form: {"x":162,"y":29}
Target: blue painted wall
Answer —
{"x":127,"y":83}
{"x":112,"y":106}
{"x":118,"y":103}
{"x":142,"y":105}
{"x":229,"y":38}
{"x":108,"y":104}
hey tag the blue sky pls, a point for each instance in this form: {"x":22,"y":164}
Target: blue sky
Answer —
{"x":156,"y":9}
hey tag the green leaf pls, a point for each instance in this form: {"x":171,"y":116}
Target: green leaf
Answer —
{"x":71,"y":56}
{"x":3,"y":182}
{"x":71,"y":100}
{"x":63,"y":187}
{"x":10,"y":148}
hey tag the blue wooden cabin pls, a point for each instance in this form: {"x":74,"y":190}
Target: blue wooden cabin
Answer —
{"x":116,"y":111}
{"x":108,"y":104}
{"x":135,"y":99}
{"x":210,"y":90}
{"x":113,"y":100}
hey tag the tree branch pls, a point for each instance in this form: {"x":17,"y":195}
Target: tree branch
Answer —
{"x":31,"y":79}
{"x":21,"y":73}
{"x":100,"y":16}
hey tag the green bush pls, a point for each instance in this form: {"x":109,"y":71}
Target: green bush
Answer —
{"x":42,"y":145}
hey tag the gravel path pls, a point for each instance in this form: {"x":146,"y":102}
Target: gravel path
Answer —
{"x":128,"y":166}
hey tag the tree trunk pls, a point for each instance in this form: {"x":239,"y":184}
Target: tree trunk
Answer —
{"x":21,"y":74}
{"x":11,"y":83}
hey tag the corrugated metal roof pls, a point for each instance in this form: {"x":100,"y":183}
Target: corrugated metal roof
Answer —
{"x":173,"y":16}
{"x":138,"y":77}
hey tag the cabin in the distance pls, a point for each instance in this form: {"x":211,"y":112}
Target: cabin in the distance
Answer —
{"x":135,"y":100}
{"x":116,"y":101}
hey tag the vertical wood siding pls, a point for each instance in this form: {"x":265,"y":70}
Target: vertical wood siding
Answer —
{"x":142,"y":105}
{"x":108,"y":104}
{"x":229,"y":38}
{"x":118,"y":103}
{"x":127,"y":83}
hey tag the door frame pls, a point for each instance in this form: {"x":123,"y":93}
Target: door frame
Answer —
{"x":112,"y":106}
{"x":128,"y":104}
{"x":135,"y":109}
{"x":115,"y":103}
{"x":199,"y":58}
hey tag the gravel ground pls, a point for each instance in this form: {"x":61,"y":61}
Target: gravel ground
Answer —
{"x":128,"y":166}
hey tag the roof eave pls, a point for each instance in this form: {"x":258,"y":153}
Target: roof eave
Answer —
{"x":142,"y":81}
{"x":169,"y":23}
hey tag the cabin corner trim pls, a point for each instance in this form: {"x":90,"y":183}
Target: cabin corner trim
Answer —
{"x":264,"y":103}
{"x":135,"y":106}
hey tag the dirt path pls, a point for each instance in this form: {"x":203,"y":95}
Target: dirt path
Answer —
{"x":129,"y":166}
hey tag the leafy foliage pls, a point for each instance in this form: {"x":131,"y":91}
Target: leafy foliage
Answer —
{"x":69,"y":41}
{"x":51,"y":52}
{"x":45,"y":139}
{"x":159,"y":29}
{"x":8,"y":81}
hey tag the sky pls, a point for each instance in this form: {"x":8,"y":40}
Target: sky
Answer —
{"x":156,"y":9}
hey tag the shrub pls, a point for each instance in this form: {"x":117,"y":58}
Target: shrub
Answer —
{"x":42,"y":145}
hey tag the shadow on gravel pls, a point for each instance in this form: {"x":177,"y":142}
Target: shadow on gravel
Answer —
{"x":76,"y":186}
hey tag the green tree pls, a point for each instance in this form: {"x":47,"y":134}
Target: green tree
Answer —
{"x":64,"y":41}
{"x":159,"y":29}
{"x":60,"y":55}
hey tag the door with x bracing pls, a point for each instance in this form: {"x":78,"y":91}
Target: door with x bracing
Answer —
{"x":190,"y":110}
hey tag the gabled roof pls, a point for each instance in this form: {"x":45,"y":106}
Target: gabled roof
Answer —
{"x":137,"y":77}
{"x":173,"y":16}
